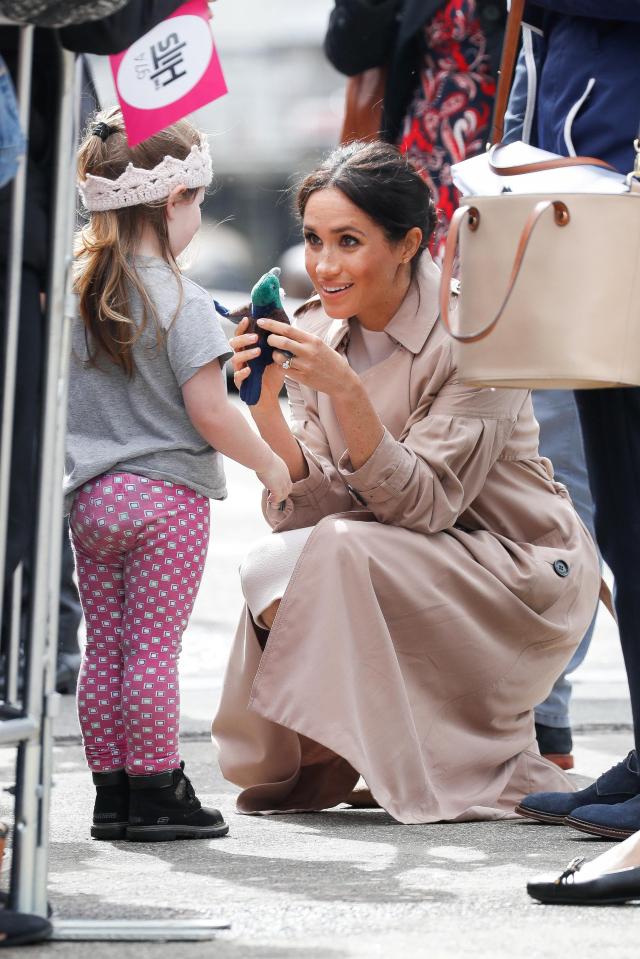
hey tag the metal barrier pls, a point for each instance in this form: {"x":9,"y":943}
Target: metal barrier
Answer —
{"x":27,"y":713}
{"x":26,"y":716}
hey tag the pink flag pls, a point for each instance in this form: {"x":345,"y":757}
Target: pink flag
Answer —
{"x":169,"y":72}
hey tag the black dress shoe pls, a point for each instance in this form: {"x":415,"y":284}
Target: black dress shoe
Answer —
{"x":568,"y":889}
{"x":21,"y":928}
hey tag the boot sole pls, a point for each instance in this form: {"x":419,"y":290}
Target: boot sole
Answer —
{"x":608,"y":832}
{"x":116,"y":830}
{"x":168,"y":833}
{"x":545,"y":817}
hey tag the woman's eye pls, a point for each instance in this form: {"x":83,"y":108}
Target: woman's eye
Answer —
{"x":347,"y":240}
{"x":312,"y":239}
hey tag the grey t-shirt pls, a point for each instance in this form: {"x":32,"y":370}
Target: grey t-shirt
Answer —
{"x":140,"y":425}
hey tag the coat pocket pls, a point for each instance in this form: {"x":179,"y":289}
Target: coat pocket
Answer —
{"x":537,"y":573}
{"x":550,"y":572}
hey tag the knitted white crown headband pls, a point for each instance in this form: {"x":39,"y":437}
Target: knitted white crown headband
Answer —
{"x":137,"y":185}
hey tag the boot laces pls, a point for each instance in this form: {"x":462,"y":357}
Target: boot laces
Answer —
{"x":623,"y":762}
{"x":190,"y":791}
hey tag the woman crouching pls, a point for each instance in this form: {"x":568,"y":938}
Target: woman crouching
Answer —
{"x":427,"y":579}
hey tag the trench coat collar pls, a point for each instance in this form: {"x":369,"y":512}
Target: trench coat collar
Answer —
{"x":416,"y":316}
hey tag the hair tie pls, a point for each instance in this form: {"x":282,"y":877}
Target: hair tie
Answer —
{"x":102,"y":130}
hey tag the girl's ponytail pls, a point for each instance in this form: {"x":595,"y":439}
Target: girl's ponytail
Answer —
{"x":105,"y":247}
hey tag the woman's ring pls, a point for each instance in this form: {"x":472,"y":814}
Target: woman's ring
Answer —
{"x":288,"y":363}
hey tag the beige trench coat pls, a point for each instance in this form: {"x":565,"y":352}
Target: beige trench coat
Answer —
{"x":445,"y":586}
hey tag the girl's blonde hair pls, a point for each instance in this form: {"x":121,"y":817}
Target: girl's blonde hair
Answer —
{"x":105,"y":247}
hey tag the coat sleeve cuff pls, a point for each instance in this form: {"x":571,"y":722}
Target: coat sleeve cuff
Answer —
{"x":310,"y":489}
{"x":383,"y":476}
{"x":305,"y":498}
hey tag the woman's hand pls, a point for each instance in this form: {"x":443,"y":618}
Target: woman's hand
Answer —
{"x":244,"y":347}
{"x":267,"y":414}
{"x":314,"y":364}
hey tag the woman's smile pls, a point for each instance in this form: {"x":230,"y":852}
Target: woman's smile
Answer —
{"x":333,"y":291}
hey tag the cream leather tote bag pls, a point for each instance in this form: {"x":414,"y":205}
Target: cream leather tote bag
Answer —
{"x":550,"y":285}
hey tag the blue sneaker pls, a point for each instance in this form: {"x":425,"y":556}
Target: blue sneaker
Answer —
{"x":615,"y":787}
{"x":618,"y":821}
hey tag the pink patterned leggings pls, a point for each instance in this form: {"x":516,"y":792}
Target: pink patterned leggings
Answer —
{"x":140,"y":547}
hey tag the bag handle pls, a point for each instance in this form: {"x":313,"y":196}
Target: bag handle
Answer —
{"x":606,"y":599}
{"x":561,"y":218}
{"x":540,"y":165}
{"x":507,"y":67}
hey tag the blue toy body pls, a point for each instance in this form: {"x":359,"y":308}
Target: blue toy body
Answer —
{"x":265,"y":304}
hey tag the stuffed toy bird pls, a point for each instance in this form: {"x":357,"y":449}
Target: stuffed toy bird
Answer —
{"x":265,"y":304}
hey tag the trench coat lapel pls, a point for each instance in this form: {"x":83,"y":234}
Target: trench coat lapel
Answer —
{"x":418,"y":312}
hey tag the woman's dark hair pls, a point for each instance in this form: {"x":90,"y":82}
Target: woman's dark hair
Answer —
{"x":381,"y":182}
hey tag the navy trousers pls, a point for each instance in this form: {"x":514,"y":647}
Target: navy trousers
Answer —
{"x":610,"y":421}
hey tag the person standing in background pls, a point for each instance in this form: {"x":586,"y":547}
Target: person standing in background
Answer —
{"x":576,"y":94}
{"x":443,"y":58}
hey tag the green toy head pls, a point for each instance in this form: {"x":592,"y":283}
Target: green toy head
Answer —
{"x":266,"y":292}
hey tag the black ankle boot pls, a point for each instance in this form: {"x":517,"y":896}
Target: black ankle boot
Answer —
{"x":164,"y":806}
{"x":111,"y":809}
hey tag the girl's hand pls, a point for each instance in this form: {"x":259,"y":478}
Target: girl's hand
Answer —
{"x":245,"y":349}
{"x":314,"y":364}
{"x":276,"y":479}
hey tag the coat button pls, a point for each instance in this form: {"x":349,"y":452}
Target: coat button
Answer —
{"x":561,"y":568}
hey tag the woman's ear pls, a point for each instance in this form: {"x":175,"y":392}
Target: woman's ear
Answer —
{"x":411,"y":243}
{"x":173,"y":199}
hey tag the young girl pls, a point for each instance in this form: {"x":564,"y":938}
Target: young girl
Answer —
{"x":148,"y":421}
